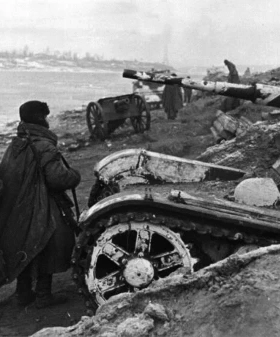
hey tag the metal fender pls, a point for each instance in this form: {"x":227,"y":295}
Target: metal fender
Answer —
{"x":141,"y":166}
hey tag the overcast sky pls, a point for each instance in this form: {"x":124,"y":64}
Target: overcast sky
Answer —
{"x":189,"y":32}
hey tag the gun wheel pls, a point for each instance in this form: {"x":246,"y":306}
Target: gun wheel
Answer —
{"x":142,"y":122}
{"x":97,"y":127}
{"x":128,"y":257}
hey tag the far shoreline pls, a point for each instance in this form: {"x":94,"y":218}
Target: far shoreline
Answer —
{"x":62,"y":70}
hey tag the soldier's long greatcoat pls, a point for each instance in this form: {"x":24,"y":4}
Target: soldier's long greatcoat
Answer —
{"x":31,"y":222}
{"x":172,"y":100}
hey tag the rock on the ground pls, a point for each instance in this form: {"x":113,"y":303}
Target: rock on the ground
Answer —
{"x":156,"y":311}
{"x":257,"y":192}
{"x":225,"y":126}
{"x":138,"y":326}
{"x":255,"y":150}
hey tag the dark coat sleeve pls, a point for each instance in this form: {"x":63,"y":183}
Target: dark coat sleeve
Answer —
{"x":58,"y":177}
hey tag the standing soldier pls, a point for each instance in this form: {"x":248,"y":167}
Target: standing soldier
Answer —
{"x":233,"y":76}
{"x":172,"y":99}
{"x":36,"y":238}
{"x":231,"y":103}
{"x":187,"y":95}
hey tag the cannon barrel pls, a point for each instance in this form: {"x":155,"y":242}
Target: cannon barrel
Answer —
{"x":257,"y":93}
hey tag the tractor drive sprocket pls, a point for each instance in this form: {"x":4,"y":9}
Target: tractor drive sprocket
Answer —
{"x":128,"y":250}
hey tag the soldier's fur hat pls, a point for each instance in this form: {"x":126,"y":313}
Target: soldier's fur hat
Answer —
{"x":34,"y":112}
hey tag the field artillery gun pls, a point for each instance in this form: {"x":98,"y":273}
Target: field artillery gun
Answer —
{"x":107,"y":114}
{"x":130,"y":238}
{"x":257,"y":93}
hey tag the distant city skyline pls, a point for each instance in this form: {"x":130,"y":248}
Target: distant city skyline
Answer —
{"x":184,"y":32}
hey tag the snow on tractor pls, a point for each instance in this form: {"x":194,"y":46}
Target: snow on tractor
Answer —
{"x":107,"y":114}
{"x":131,"y":237}
{"x":152,"y":93}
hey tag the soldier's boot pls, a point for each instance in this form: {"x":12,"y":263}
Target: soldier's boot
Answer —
{"x":44,"y":296}
{"x":25,"y":294}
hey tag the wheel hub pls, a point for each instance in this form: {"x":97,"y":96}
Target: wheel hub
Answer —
{"x":138,"y":272}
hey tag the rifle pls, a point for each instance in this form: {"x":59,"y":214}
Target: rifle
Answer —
{"x":73,"y":192}
{"x":257,"y":93}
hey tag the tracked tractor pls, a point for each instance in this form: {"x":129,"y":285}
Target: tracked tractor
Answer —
{"x":142,"y":225}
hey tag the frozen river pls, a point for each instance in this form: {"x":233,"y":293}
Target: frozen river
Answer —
{"x":60,"y":90}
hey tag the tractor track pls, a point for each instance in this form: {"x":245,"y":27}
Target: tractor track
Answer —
{"x":223,"y":239}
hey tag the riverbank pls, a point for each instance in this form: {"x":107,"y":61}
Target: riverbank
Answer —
{"x":69,"y":62}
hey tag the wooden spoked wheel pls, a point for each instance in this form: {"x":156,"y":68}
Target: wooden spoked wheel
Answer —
{"x":142,"y":122}
{"x":96,"y":125}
